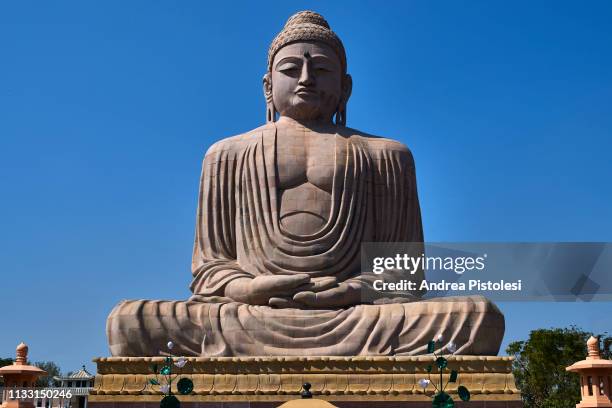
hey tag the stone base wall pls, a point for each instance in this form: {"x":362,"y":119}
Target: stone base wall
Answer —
{"x":266,"y":382}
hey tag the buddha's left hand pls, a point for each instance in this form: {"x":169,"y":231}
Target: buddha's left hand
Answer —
{"x":345,"y":294}
{"x":313,"y":286}
{"x":350,"y":293}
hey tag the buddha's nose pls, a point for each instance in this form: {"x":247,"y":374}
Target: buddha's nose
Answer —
{"x":306,"y":78}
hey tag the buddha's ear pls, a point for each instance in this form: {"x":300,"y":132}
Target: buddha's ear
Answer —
{"x":267,"y":89}
{"x":347,"y":88}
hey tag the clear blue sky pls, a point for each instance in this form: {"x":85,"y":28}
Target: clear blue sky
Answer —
{"x":106,"y":110}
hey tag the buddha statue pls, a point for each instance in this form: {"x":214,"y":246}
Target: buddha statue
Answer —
{"x":283,"y":211}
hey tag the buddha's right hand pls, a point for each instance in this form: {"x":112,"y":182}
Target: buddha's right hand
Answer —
{"x":259,"y":290}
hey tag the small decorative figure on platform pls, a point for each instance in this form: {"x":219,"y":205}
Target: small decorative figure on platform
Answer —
{"x":184,"y":385}
{"x":306,"y":391}
{"x":441,"y":399}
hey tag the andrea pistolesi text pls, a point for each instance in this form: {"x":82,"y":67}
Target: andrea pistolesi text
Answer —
{"x":472,"y":285}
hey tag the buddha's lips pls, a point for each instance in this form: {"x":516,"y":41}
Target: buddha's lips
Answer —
{"x":305,"y":91}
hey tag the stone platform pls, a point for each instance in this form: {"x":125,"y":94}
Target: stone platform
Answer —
{"x":262,"y":382}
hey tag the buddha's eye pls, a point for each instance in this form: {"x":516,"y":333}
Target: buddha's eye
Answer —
{"x":322,"y":69}
{"x":288,"y":68}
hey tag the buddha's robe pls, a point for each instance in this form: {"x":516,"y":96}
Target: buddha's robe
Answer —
{"x":239,"y":235}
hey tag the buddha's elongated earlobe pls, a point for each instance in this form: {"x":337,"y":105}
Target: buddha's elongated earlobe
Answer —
{"x":270,"y":113}
{"x":347,"y":89}
{"x":270,"y":109}
{"x":341,"y":115}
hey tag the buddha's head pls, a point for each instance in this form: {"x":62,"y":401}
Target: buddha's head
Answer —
{"x":306,"y":78}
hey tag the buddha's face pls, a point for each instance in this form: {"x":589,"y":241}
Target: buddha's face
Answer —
{"x":306,"y":81}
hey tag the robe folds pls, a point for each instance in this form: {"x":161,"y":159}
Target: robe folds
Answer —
{"x":239,"y":235}
{"x":238,"y":231}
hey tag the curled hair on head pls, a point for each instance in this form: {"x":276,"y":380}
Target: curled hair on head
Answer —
{"x":307,"y":26}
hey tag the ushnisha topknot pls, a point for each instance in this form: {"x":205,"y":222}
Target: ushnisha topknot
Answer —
{"x":307,"y":26}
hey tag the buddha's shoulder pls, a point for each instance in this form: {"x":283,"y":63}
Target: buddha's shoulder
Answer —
{"x":238,"y":142}
{"x":376,"y":143}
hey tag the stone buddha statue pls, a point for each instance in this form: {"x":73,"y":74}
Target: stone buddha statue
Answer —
{"x":283,"y":211}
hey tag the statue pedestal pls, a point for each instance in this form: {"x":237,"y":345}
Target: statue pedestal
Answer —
{"x":266,"y":382}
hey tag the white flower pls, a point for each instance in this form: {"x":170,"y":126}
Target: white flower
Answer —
{"x":180,"y":363}
{"x":164,"y":388}
{"x":170,"y":345}
{"x":424,"y":382}
{"x":451,"y":347}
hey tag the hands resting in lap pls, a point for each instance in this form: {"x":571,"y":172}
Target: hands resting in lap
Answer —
{"x":296,"y":291}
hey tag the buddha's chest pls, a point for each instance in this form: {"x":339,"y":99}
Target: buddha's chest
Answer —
{"x":306,"y":157}
{"x":306,"y":163}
